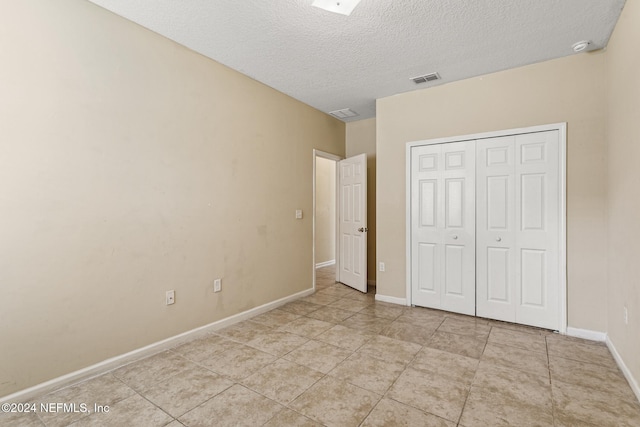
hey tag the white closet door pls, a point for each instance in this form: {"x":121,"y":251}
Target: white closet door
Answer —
{"x":426,"y":239}
{"x":538,"y":228}
{"x":443,"y":226}
{"x":495,"y":228}
{"x":517,"y":229}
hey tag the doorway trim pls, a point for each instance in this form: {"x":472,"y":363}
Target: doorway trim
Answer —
{"x":336,"y":158}
{"x":562,"y":135}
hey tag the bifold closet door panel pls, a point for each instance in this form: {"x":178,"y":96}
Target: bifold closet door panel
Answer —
{"x":443,"y":226}
{"x":495,"y":228}
{"x":537,"y":205}
{"x":426,"y":239}
{"x":458,"y":227}
{"x":517,"y":229}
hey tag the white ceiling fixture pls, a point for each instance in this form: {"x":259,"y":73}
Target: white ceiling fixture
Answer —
{"x":329,"y":63}
{"x":343,"y":7}
{"x":580,"y":46}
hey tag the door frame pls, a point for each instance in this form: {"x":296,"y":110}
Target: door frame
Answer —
{"x":336,"y":158}
{"x":562,"y":135}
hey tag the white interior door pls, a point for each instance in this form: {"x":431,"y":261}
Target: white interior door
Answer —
{"x":517,"y":228}
{"x":352,"y":222}
{"x":443,"y":226}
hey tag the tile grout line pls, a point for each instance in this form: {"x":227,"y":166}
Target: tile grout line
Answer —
{"x":83,"y":382}
{"x":179,"y":373}
{"x":474,"y":376}
{"x":407,"y":366}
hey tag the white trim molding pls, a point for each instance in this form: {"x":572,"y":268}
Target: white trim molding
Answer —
{"x":326,"y":263}
{"x":633,"y":382}
{"x":587,"y":334}
{"x":392,"y":300}
{"x":123,"y":359}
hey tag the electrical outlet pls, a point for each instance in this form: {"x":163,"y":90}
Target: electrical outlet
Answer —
{"x":171,"y":297}
{"x":217,"y":285}
{"x":381,"y":266}
{"x":626,"y":316}
{"x":298,"y":213}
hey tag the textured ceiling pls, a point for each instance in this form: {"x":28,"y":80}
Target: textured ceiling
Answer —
{"x":331,"y":61}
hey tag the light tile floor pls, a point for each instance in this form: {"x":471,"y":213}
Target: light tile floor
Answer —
{"x":339,"y":358}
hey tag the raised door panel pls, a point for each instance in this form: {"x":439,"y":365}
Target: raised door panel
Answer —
{"x":454,"y":203}
{"x":345,"y":254}
{"x":427,"y":269}
{"x":498,"y":275}
{"x":497,"y":203}
{"x":357,"y":198}
{"x":357,"y":261}
{"x":346,"y":204}
{"x":428,"y":162}
{"x":428,"y":202}
{"x":533,"y":279}
{"x":532,"y":201}
{"x":454,"y":271}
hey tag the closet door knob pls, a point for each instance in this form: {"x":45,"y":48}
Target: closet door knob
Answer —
{"x":499,"y":239}
{"x":455,"y":237}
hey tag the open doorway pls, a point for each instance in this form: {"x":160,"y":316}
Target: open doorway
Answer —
{"x":325,"y":219}
{"x":340,"y":220}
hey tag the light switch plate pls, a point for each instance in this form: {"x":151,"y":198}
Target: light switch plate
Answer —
{"x":170,"y":297}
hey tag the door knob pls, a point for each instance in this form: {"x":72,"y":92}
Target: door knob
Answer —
{"x":455,"y":237}
{"x":363,"y":229}
{"x":499,"y":239}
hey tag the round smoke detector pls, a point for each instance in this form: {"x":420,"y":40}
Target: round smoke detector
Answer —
{"x":581,"y":45}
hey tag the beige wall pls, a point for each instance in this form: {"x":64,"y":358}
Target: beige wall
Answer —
{"x":569,"y":90}
{"x":325,"y":210}
{"x":361,"y":138}
{"x":129,"y":166}
{"x":623,"y":134}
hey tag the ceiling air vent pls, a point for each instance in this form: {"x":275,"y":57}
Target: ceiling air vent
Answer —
{"x":344,"y":113}
{"x":426,"y":78}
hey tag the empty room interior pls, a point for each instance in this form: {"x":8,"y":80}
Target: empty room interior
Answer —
{"x":320,"y":213}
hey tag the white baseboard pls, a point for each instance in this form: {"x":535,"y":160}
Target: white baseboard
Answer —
{"x":326,"y":263}
{"x":587,"y":334}
{"x":633,"y":382}
{"x":392,"y":300}
{"x":123,"y":359}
